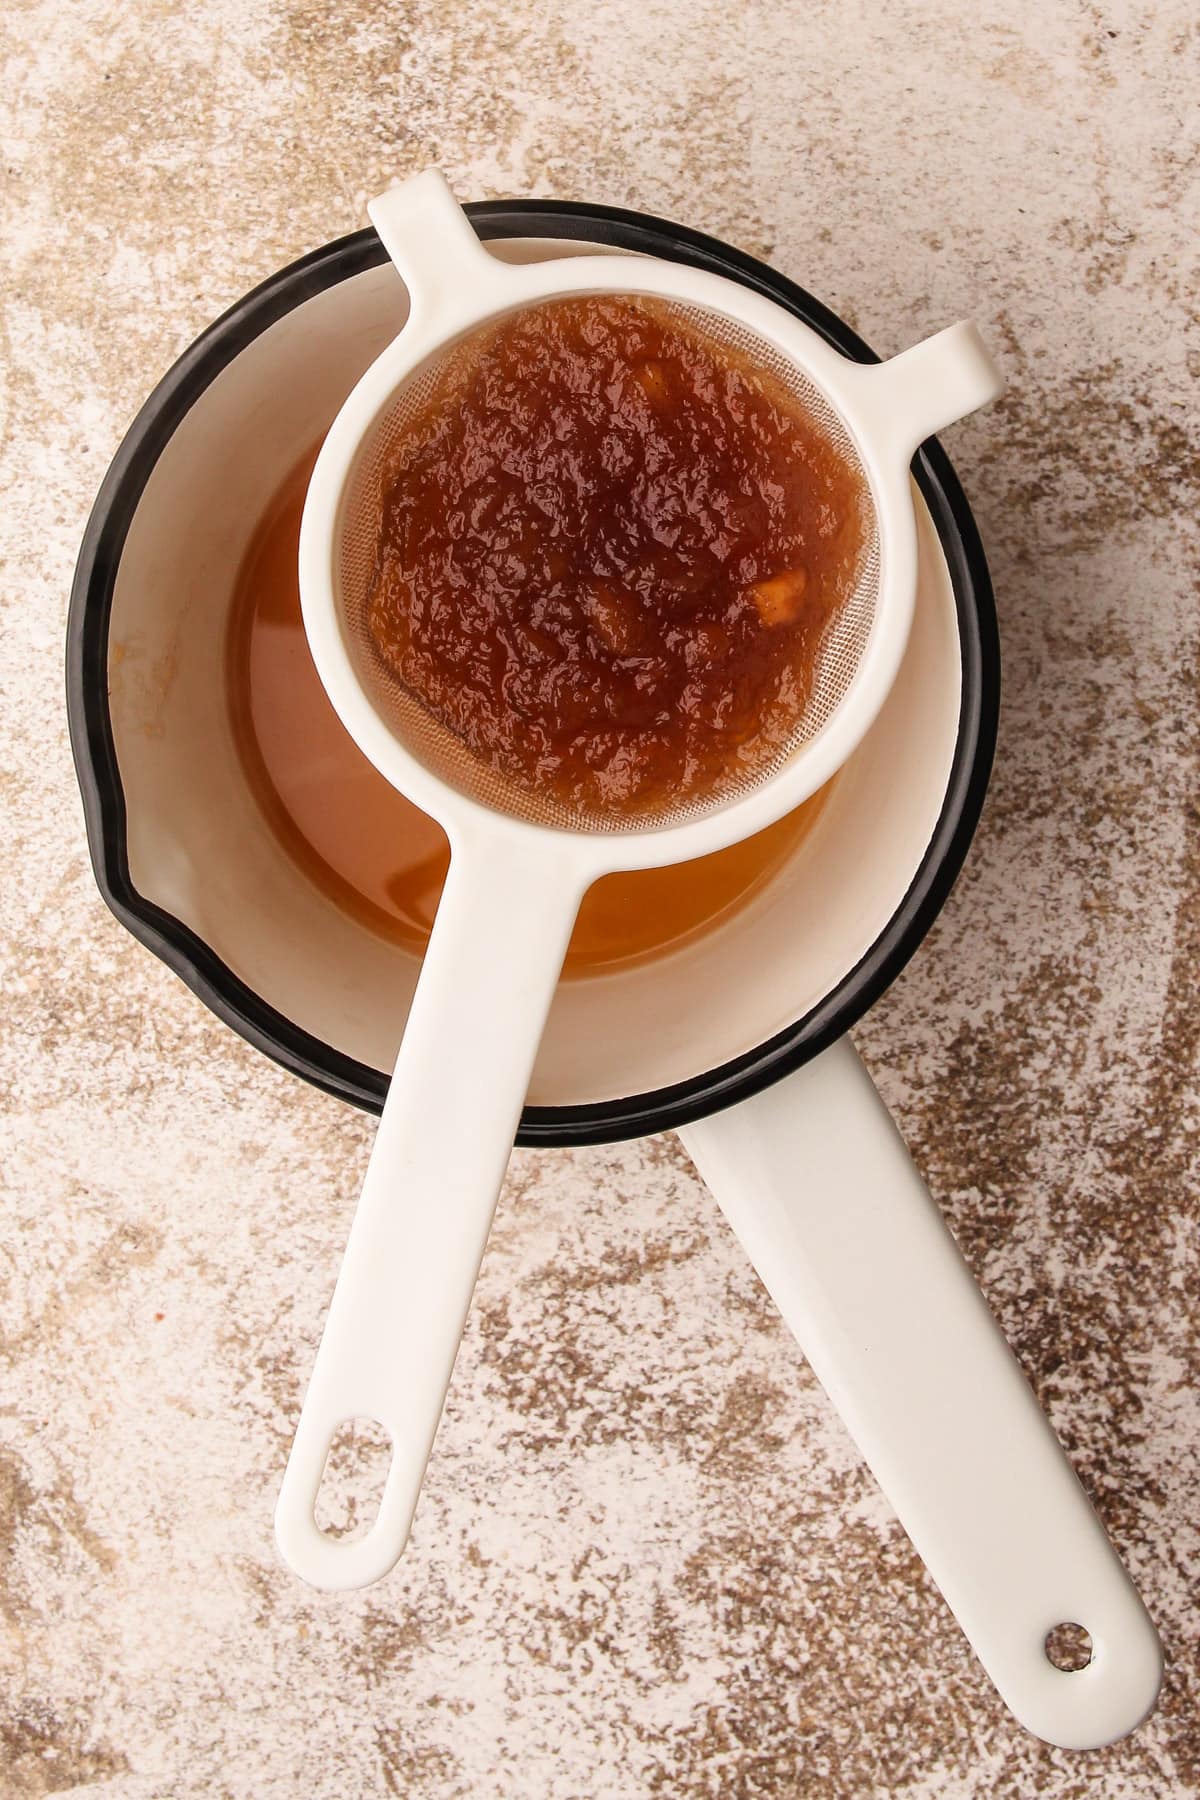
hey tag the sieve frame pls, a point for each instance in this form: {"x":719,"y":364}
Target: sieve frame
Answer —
{"x":437,"y":748}
{"x":455,"y":288}
{"x":513,"y":889}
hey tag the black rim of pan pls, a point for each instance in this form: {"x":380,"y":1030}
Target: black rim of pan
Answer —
{"x":216,"y":984}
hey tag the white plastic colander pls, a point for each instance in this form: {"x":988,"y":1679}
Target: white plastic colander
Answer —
{"x":857,"y":624}
{"x":519,"y":864}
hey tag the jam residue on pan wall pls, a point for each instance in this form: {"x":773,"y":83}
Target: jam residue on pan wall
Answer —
{"x":609,"y":552}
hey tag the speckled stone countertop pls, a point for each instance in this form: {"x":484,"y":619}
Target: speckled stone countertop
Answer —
{"x":648,"y":1561}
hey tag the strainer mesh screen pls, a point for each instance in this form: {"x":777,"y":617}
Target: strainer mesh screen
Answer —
{"x":444,"y":754}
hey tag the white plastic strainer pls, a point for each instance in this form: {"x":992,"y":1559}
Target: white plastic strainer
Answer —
{"x":438,"y":749}
{"x":519,"y":866}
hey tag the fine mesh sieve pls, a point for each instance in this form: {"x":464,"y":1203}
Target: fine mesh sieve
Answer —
{"x":437,"y":383}
{"x":519,"y":866}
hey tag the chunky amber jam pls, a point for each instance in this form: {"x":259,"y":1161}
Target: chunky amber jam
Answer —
{"x":609,"y":551}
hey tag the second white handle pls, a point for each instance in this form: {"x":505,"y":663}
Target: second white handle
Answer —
{"x":815,"y":1181}
{"x":436,"y":1167}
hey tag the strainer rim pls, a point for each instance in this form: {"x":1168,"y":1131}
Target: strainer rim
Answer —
{"x":600,"y":851}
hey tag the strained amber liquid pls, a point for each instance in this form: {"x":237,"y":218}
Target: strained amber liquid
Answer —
{"x":371,"y":850}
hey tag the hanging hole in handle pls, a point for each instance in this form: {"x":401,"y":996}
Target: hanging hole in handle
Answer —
{"x":352,"y":1482}
{"x":1068,"y":1646}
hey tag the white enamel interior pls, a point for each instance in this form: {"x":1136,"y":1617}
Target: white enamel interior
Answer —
{"x":199,"y":848}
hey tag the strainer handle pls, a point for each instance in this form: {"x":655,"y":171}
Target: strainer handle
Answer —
{"x":422,"y":1222}
{"x":901,"y":402}
{"x":815,"y":1181}
{"x":436,"y":252}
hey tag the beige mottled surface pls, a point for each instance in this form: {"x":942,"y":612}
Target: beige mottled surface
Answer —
{"x":647,"y":1562}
